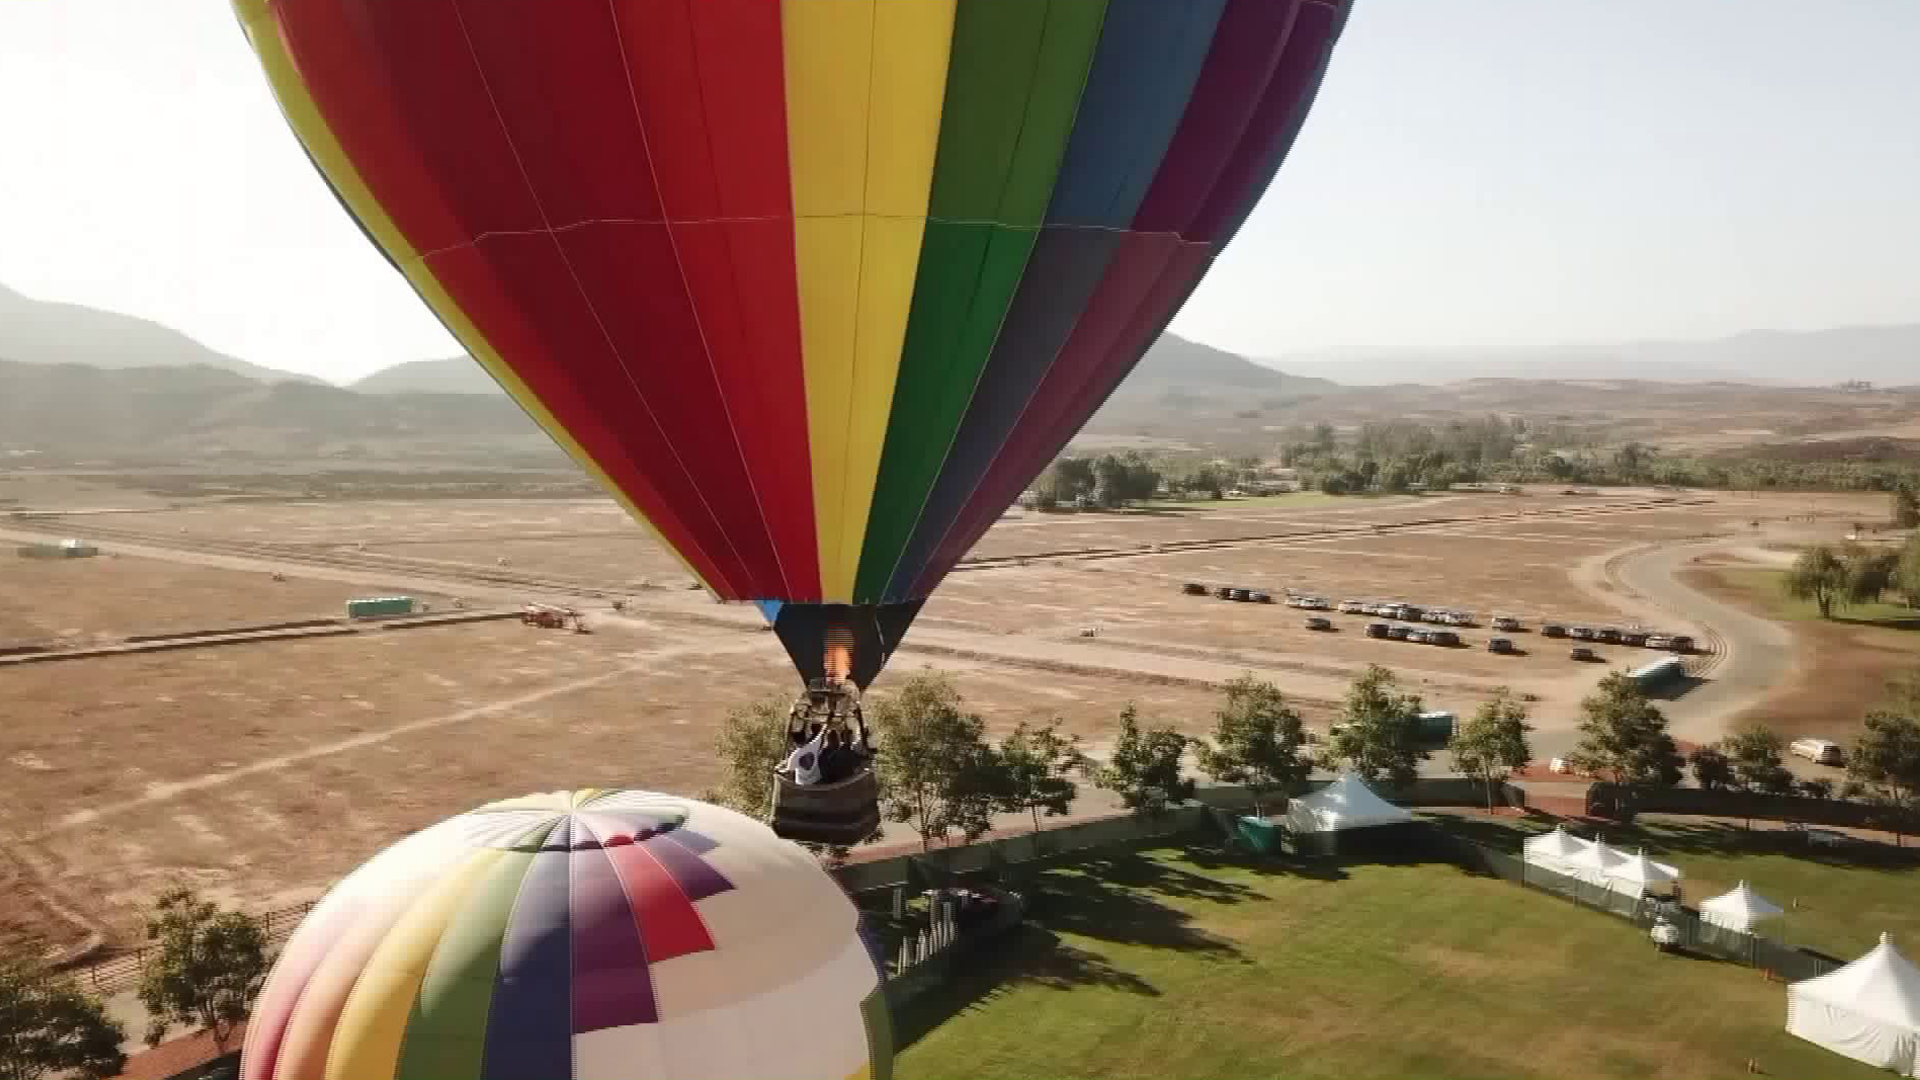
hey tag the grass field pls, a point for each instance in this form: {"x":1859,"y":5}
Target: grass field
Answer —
{"x":1184,"y":963}
{"x":1846,"y":896}
{"x":1764,"y":590}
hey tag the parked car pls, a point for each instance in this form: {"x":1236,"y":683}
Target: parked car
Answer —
{"x":1237,"y":594}
{"x":1680,"y":643}
{"x":1607,"y":635}
{"x":1819,"y":751}
{"x":1377,"y":629}
{"x":1506,"y":622}
{"x":1194,"y":588}
{"x":1580,"y":633}
{"x":1224,"y":592}
{"x":1442,"y":637}
{"x":1353,"y":607}
{"x":1319,"y":622}
{"x":1409,"y":613}
{"x":1500,"y":645}
{"x":1581,"y":652}
{"x":1435,"y":615}
{"x":1398,"y":633}
{"x":1260,"y":598}
{"x":1417,"y":635}
{"x":1552,"y":630}
{"x":1636,"y":638}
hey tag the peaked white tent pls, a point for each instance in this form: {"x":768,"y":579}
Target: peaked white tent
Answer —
{"x":1639,"y":875}
{"x":1596,"y":864}
{"x":1868,"y":1010}
{"x":1343,"y":805}
{"x":1551,"y":850}
{"x":1738,"y":908}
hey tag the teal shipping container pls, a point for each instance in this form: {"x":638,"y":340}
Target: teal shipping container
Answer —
{"x":375,"y":606}
{"x":1261,"y":835}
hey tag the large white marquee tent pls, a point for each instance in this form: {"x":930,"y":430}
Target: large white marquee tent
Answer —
{"x":1868,"y":1010}
{"x":1347,"y":803}
{"x":1738,"y":908}
{"x":1595,"y":863}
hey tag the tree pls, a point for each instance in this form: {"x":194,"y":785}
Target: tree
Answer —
{"x":1870,"y":572}
{"x":205,"y":967}
{"x":50,"y":1028}
{"x":1145,"y":768}
{"x":1819,"y":787}
{"x":752,"y":740}
{"x":1379,"y":733}
{"x":1885,"y":766}
{"x":1038,"y":763}
{"x":1906,"y":572}
{"x":937,"y":771}
{"x":1906,"y":507}
{"x":1754,"y":755}
{"x":1820,"y":576}
{"x":1711,"y":768}
{"x":1494,"y":742}
{"x":1256,"y":742}
{"x":1624,"y":739}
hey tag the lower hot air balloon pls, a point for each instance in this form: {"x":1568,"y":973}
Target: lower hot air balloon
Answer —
{"x":814,"y":287}
{"x":588,"y":934}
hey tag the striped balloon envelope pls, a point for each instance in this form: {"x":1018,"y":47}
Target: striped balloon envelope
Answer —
{"x":589,"y":935}
{"x":815,"y":287}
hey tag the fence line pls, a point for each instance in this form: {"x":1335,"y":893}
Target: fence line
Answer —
{"x":1753,"y":950}
{"x":122,"y":971}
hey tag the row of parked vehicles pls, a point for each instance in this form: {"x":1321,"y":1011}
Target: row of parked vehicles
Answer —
{"x":1607,"y":635}
{"x":1401,"y":611}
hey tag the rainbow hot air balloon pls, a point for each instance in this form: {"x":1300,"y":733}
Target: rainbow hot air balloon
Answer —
{"x":815,"y":287}
{"x":589,"y":934}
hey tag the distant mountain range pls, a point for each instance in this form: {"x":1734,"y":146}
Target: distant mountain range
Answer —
{"x":49,"y":332}
{"x":1886,"y":355}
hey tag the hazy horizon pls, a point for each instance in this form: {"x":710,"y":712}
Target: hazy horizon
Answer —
{"x":1560,"y":176}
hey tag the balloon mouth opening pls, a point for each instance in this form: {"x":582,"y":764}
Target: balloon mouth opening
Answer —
{"x":837,"y":658}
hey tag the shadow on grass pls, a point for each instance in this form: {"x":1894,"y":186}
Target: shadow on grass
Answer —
{"x":1892,"y":622}
{"x":1029,"y":955}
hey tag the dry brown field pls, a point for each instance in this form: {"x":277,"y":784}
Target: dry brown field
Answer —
{"x":260,"y":772}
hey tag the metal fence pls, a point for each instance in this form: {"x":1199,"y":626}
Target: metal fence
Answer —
{"x":1778,"y":960}
{"x":122,"y":970}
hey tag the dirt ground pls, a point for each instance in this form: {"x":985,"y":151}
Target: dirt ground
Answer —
{"x":1848,"y":665}
{"x":106,"y":598}
{"x":261,"y":772}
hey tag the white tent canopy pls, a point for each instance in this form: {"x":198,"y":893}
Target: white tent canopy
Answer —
{"x":1639,"y":875}
{"x":1345,"y":804}
{"x":1551,"y":850}
{"x":1868,"y":1010}
{"x":1738,"y":908}
{"x":1596,"y":864}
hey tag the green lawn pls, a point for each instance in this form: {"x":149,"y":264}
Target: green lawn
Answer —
{"x":1847,"y":896}
{"x":1763,"y":589}
{"x":1189,"y":963}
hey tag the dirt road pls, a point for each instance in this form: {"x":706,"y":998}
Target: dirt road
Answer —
{"x":1752,"y":655}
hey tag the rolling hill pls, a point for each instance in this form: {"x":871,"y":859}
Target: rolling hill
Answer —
{"x":1886,"y":355}
{"x":49,"y":332}
{"x":453,"y":375}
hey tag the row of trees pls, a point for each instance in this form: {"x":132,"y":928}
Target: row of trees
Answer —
{"x":1109,"y":481}
{"x":1398,"y":454}
{"x":942,"y":775}
{"x":1841,"y":577}
{"x":203,"y":967}
{"x":1624,"y":740}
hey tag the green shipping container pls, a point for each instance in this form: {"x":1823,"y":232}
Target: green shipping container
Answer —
{"x":371,"y":607}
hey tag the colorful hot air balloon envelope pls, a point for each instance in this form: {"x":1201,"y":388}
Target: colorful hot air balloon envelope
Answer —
{"x":597,"y":935}
{"x":815,"y":287}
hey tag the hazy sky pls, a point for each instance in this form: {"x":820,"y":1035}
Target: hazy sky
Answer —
{"x":1476,"y":173}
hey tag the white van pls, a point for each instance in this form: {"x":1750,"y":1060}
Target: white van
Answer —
{"x":1819,"y":751}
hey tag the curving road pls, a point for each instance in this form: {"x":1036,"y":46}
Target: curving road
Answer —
{"x":1751,"y":655}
